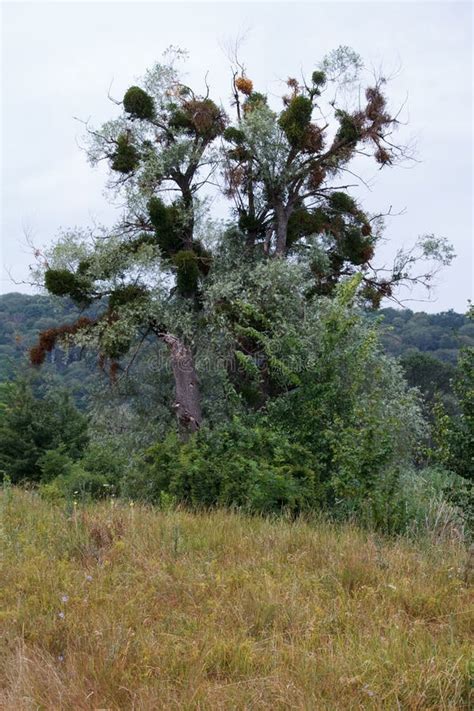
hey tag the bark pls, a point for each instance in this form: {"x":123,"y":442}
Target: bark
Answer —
{"x":281,"y":229}
{"x":187,"y":395}
{"x":188,"y":231}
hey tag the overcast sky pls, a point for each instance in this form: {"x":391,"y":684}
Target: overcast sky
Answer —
{"x":59,"y":59}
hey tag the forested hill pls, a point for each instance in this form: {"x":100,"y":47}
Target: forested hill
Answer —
{"x":439,"y":335}
{"x":416,"y":337}
{"x":22,"y":318}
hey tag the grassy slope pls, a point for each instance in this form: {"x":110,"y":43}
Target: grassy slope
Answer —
{"x":117,"y":607}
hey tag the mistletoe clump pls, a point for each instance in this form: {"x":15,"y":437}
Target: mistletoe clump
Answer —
{"x":234,"y":135}
{"x":373,"y":293}
{"x":244,"y":85}
{"x":126,"y":295}
{"x":166,"y":219}
{"x":186,"y":263}
{"x":201,"y":117}
{"x":342,"y":202}
{"x":138,"y":103}
{"x":304,"y":222}
{"x":256,"y":100}
{"x":48,"y":339}
{"x":318,"y":78}
{"x":62,"y":282}
{"x":126,"y":158}
{"x":349,"y":130}
{"x":295,"y":120}
{"x":355,"y":248}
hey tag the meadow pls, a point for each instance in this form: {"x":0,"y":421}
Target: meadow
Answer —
{"x":118,"y":606}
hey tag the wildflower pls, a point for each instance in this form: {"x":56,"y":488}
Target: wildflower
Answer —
{"x":89,"y":578}
{"x":60,"y":658}
{"x":64,"y":598}
{"x":61,"y":615}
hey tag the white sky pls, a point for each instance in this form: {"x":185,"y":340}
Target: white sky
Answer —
{"x":59,"y":59}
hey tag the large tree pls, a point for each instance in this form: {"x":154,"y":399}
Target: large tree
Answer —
{"x":164,"y":271}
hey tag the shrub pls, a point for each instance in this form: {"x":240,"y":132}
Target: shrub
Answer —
{"x":242,"y":464}
{"x":76,"y":484}
{"x":32,"y":425}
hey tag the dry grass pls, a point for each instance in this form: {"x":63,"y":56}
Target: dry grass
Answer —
{"x":114,"y":607}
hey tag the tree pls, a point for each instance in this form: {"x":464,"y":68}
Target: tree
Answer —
{"x":166,"y":272}
{"x":454,"y":435}
{"x":31,"y":425}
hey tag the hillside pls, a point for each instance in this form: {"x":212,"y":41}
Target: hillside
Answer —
{"x":120,"y":607}
{"x":22,"y":318}
{"x":438,"y":335}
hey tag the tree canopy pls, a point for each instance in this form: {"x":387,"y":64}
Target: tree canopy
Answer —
{"x":243,"y":295}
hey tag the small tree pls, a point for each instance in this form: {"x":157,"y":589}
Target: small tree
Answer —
{"x":454,"y":435}
{"x":31,"y":425}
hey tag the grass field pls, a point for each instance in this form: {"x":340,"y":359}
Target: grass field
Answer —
{"x":119,"y":607}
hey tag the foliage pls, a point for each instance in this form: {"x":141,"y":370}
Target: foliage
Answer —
{"x":352,"y":410}
{"x":95,"y":475}
{"x":438,"y":335}
{"x":338,"y":438}
{"x":432,"y":376}
{"x":75,"y":483}
{"x":454,"y":435}
{"x":244,"y":465}
{"x":31,"y":425}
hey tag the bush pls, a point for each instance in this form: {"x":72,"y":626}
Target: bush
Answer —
{"x":32,"y":425}
{"x":242,"y":464}
{"x":76,"y":484}
{"x":353,"y":412}
{"x":95,"y":476}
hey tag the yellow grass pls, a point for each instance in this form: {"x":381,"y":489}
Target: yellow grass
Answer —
{"x":119,"y":607}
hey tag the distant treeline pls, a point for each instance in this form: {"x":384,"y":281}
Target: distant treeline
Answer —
{"x":439,"y":335}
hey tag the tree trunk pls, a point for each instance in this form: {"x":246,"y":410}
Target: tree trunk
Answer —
{"x":188,"y":231}
{"x":187,"y":395}
{"x":281,"y":229}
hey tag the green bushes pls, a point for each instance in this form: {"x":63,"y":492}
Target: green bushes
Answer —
{"x":96,"y":475}
{"x":31,"y":425}
{"x":338,"y":435}
{"x":244,"y":464}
